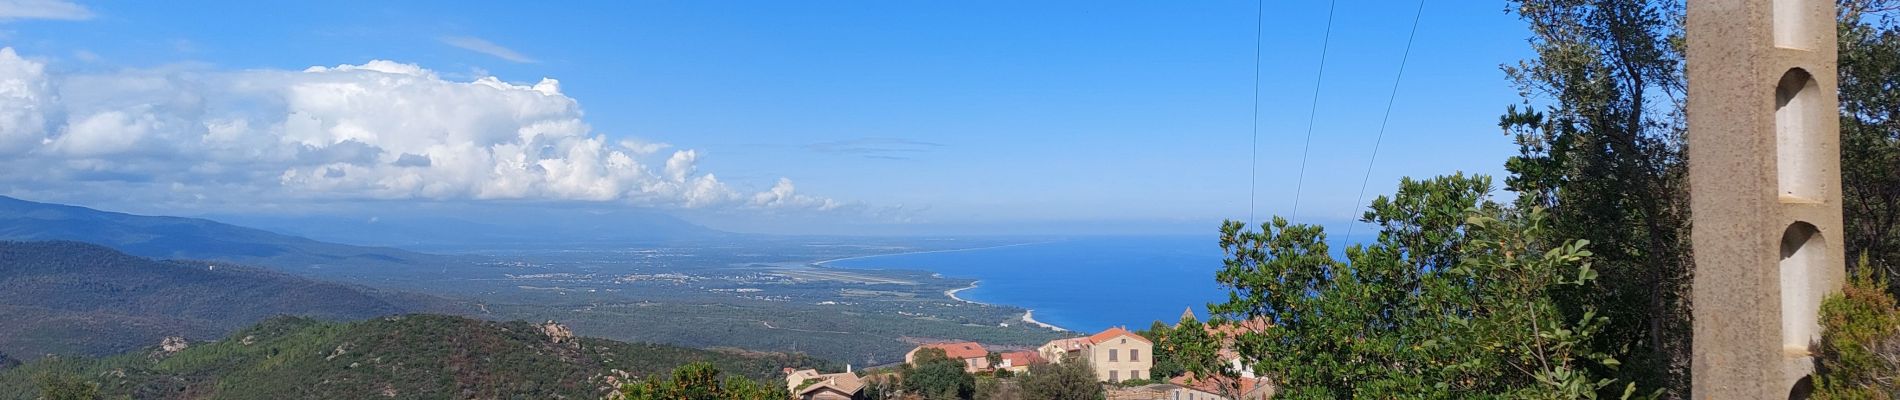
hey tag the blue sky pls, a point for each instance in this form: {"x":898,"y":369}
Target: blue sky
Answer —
{"x":890,"y":117}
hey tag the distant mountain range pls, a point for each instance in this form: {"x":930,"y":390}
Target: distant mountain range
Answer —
{"x":408,"y":356}
{"x":461,"y":228}
{"x":65,"y":297}
{"x":190,"y":238}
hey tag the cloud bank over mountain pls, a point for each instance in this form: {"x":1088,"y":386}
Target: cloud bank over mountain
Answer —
{"x":378,"y":130}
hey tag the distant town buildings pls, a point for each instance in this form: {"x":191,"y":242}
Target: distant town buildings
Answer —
{"x":1116,"y":354}
{"x":808,"y":384}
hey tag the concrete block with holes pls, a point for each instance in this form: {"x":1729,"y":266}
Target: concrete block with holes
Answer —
{"x":1765,"y":189}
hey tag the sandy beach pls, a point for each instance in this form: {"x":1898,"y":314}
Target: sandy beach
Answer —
{"x":1029,"y":317}
{"x":953,"y":293}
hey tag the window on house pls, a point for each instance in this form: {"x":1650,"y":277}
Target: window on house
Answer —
{"x":1133,"y":374}
{"x":1111,"y":355}
{"x":1112,"y":377}
{"x":1134,"y":354}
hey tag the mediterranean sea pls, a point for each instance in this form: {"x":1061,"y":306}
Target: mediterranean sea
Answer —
{"x":1084,"y":284}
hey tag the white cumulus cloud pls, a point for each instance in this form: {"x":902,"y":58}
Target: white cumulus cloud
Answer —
{"x":378,"y":130}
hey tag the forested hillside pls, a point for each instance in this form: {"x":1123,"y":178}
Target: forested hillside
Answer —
{"x":409,"y":356}
{"x":78,"y":298}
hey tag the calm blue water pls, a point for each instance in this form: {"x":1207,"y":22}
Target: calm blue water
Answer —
{"x":1082,"y":284}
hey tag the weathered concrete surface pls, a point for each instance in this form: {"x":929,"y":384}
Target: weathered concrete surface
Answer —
{"x":1764,"y":164}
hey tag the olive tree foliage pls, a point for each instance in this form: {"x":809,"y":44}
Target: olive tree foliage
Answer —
{"x":1600,"y":136}
{"x":935,"y":376}
{"x":1457,"y":298}
{"x":1870,"y":131}
{"x":1071,"y":379}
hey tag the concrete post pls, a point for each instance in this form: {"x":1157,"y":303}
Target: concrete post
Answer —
{"x":1765,"y":189}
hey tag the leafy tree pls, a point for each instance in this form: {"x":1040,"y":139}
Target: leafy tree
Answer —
{"x":936,"y":376}
{"x":1197,"y":350}
{"x":989,"y":388}
{"x":879,"y":387}
{"x":1600,"y":147}
{"x":1165,"y":366}
{"x":1870,"y":131}
{"x":701,"y":381}
{"x":1458,"y":297}
{"x":1071,"y":379}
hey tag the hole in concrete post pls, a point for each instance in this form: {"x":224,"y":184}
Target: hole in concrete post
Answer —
{"x":1803,"y":255}
{"x":1797,"y":147}
{"x":1803,"y":389}
{"x":1793,"y":19}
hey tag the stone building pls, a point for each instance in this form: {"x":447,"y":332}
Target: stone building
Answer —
{"x":1116,"y":354}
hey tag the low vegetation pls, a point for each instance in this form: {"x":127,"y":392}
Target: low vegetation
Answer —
{"x":1860,"y":344}
{"x":411,"y":356}
{"x":700,"y":381}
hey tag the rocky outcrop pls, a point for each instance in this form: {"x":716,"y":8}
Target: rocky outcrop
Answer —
{"x":557,"y":332}
{"x":168,"y":346}
{"x":173,"y":344}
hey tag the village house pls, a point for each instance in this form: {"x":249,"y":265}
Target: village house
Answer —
{"x":1228,"y":332}
{"x":1116,"y":354}
{"x":1017,"y":361}
{"x":974,"y":357}
{"x":1189,"y":387}
{"x":808,"y":384}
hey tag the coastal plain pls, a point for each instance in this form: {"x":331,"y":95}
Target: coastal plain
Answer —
{"x":773,"y":295}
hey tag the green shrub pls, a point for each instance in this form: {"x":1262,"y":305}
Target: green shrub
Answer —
{"x":1859,"y":342}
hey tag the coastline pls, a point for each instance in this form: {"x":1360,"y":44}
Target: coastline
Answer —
{"x":1029,"y":315}
{"x":952,"y":293}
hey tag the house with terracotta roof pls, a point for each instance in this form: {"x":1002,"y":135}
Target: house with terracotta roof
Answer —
{"x":1227,"y":332}
{"x":1116,"y":354}
{"x":808,"y":384}
{"x":1190,"y":387}
{"x":975,"y":358}
{"x":1018,"y":361}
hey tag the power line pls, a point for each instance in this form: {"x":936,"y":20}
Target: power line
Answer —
{"x":1313,"y":114}
{"x":1253,"y":165}
{"x":1389,"y":101}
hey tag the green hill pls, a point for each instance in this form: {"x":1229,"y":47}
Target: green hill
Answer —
{"x":83,"y":299}
{"x":201,"y":239}
{"x":411,"y":356}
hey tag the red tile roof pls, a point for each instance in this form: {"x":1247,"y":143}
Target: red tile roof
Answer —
{"x":1022,"y":358}
{"x":961,"y":350}
{"x":1111,"y":333}
{"x":1213,"y":385}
